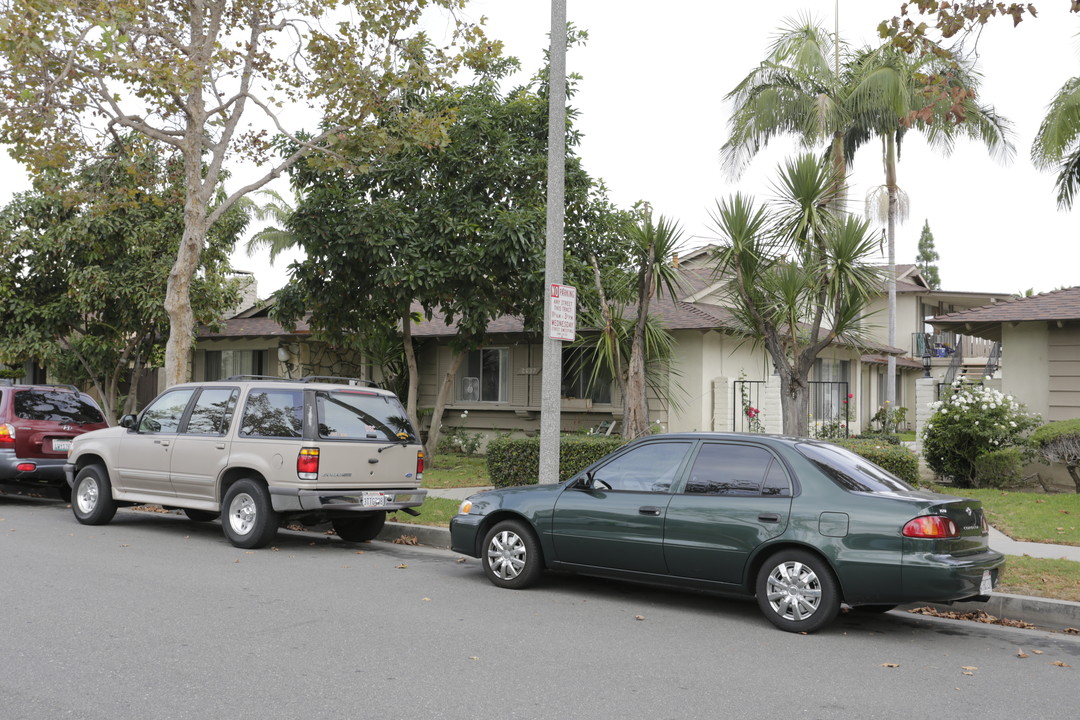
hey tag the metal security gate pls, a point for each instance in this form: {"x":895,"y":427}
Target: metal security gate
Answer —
{"x":829,"y":409}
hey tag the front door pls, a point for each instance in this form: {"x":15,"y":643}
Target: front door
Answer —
{"x":618,"y":520}
{"x":146,"y":451}
{"x":735,"y":498}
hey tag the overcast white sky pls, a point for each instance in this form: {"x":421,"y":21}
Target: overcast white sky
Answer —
{"x":653,"y":116}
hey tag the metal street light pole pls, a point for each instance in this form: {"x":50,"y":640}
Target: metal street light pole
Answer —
{"x":551,"y":377}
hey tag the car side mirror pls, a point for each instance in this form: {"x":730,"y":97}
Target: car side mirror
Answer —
{"x":583,"y":482}
{"x":128,"y":421}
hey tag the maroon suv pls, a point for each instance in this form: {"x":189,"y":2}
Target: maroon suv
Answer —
{"x":37,"y":423}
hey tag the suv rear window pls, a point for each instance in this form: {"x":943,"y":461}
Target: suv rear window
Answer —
{"x":851,"y":471}
{"x":59,"y":406}
{"x":360,"y":414}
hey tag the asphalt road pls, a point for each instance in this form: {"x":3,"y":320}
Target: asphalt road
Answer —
{"x":154,"y":616}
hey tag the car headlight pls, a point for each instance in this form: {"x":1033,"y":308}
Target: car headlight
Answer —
{"x":464,"y":507}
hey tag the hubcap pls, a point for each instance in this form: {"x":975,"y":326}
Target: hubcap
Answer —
{"x":242,"y":514}
{"x":87,"y":497}
{"x":506,"y":555}
{"x":794,"y":591}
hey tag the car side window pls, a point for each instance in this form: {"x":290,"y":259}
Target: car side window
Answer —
{"x":212,"y":412}
{"x":163,"y":414}
{"x":777,"y":483}
{"x":273,"y":413}
{"x":731,"y":469}
{"x":648,"y":468}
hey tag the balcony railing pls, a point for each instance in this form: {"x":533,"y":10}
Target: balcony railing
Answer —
{"x":946,"y":344}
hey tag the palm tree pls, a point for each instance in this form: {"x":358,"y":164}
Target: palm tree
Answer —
{"x":1057,"y":144}
{"x":799,"y":275}
{"x":893,"y":92}
{"x":274,"y":238}
{"x":813,"y":86}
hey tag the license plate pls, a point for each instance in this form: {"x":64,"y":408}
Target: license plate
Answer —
{"x":61,"y":445}
{"x":987,"y":585}
{"x":372,"y":499}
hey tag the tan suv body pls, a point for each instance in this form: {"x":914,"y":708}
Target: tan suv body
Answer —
{"x":257,"y":451}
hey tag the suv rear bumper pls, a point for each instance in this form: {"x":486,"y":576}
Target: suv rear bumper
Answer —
{"x":344,"y":501}
{"x":48,"y":471}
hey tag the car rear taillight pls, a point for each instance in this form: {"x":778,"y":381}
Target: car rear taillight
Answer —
{"x":26,"y":467}
{"x":307,"y":464}
{"x":983,"y":525}
{"x":419,"y":465}
{"x":931,"y":526}
{"x":7,"y":434}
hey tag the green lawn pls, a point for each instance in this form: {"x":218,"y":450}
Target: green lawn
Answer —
{"x":1032,"y":517}
{"x":434,"y":511}
{"x":451,"y":470}
{"x":1059,"y":579}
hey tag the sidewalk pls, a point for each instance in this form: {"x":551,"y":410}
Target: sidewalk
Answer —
{"x":1043,"y":612}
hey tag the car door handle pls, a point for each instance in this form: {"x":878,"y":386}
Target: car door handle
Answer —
{"x":648,"y":510}
{"x":220,"y":446}
{"x":164,"y":443}
{"x":769,"y":517}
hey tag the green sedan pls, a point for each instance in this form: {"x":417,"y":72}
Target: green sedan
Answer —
{"x":801,"y":525}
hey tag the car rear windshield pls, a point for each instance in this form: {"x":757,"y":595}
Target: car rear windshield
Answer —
{"x":59,"y":406}
{"x":362,"y":414}
{"x":851,"y":471}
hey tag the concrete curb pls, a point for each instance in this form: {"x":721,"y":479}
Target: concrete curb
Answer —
{"x":1046,"y":613}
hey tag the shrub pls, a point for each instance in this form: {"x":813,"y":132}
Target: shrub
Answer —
{"x":516,"y":461}
{"x":1000,"y":468}
{"x":455,"y":439}
{"x":970,"y":422}
{"x":900,"y":461}
{"x":885,"y":438}
{"x":1059,"y":442}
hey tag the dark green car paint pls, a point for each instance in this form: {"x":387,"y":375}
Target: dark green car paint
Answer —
{"x":720,"y":542}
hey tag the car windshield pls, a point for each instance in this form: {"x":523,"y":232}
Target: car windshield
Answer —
{"x":60,"y":406}
{"x":851,"y":471}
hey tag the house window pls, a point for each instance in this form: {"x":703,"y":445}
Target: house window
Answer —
{"x":577,"y":380}
{"x":227,"y":363}
{"x":828,"y":398}
{"x":484,"y":376}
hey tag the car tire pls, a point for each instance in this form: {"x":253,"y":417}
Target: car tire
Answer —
{"x":247,"y":516}
{"x":512,"y":556}
{"x":91,"y":499}
{"x":797,"y":592}
{"x":360,"y":528}
{"x":200,"y":516}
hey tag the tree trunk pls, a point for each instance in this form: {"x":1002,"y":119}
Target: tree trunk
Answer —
{"x":440,"y":405}
{"x":890,"y":186}
{"x":412,"y":368}
{"x":636,"y":401}
{"x":794,"y":399}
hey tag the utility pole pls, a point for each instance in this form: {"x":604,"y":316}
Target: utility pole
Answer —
{"x":551,"y":377}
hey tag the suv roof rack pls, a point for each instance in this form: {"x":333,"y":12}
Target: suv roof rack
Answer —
{"x":238,"y":378}
{"x":7,"y":382}
{"x":331,"y":378}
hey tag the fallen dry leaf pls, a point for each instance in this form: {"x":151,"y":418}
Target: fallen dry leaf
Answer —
{"x":406,"y":540}
{"x":294,"y":526}
{"x":1061,"y":664}
{"x":890,"y":665}
{"x":427,"y":599}
{"x":358,"y":552}
{"x":124,"y":545}
{"x":1021,"y":654}
{"x":980,"y":616}
{"x":274,"y":549}
{"x":639,"y":617}
{"x":1037,"y":652}
{"x":1072,"y":631}
{"x":968,"y":667}
{"x":402,"y":566}
{"x":460,"y":560}
{"x":473,"y":657}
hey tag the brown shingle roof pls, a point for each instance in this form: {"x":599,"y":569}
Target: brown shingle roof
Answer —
{"x":985,"y":321}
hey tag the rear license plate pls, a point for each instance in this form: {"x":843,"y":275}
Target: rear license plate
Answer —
{"x":987,"y":584}
{"x":372,"y":499}
{"x":61,"y":445}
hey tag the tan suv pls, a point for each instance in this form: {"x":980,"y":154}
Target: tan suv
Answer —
{"x":257,"y":451}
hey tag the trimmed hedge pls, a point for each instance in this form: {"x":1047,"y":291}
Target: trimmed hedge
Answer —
{"x":1000,"y":468}
{"x":898,"y":460}
{"x":879,"y":438}
{"x":516,"y":461}
{"x":1054,"y":431}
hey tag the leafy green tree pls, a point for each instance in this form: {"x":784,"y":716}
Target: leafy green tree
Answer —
{"x":209,"y":79}
{"x":927,"y":258}
{"x":798,"y":273}
{"x":83,"y":272}
{"x":457,"y":229}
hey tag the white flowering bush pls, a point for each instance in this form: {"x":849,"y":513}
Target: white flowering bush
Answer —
{"x":971,"y":421}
